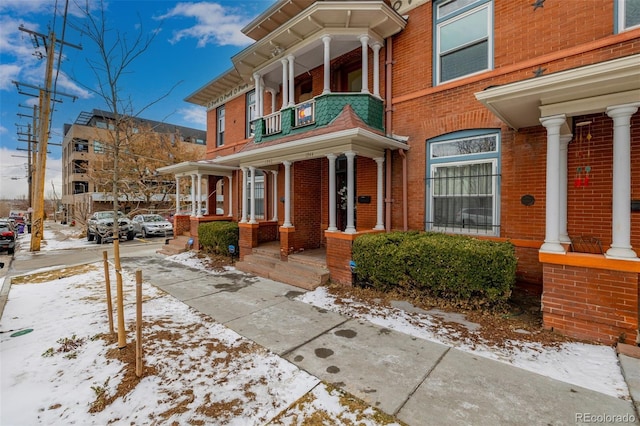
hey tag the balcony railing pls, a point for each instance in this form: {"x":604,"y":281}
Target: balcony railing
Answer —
{"x":318,"y":112}
{"x":272,"y":123}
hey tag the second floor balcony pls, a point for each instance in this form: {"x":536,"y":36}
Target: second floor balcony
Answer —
{"x":319,"y":112}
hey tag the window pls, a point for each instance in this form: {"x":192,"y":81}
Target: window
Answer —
{"x":258,"y":193}
{"x":252,"y":113}
{"x":80,"y":187}
{"x":98,"y":147}
{"x":463,"y":183}
{"x":220,"y":128}
{"x":81,"y":145}
{"x":463,"y":37}
{"x":80,"y":166}
{"x":628,"y":14}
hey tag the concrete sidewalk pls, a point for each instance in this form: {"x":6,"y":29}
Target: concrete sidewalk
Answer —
{"x":421,"y":382}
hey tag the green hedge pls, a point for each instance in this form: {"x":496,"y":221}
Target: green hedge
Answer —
{"x":216,"y":237}
{"x":455,"y":267}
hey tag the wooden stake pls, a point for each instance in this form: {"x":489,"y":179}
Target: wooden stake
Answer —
{"x":122,"y":337}
{"x":139,"y":323}
{"x":108,"y":287}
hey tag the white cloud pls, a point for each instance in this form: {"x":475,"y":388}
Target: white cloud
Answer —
{"x":215,"y":24}
{"x":8,"y":74}
{"x":13,"y":177}
{"x":194,"y":114}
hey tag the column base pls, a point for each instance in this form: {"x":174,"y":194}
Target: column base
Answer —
{"x":621,"y":253}
{"x":552,"y":247}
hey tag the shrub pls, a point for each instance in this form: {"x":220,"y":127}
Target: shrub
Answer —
{"x":216,"y":237}
{"x":454,"y":267}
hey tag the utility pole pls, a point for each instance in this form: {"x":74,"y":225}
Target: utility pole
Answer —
{"x":45,"y":99}
{"x":37,"y":219}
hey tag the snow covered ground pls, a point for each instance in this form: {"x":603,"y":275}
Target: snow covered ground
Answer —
{"x":65,"y":371}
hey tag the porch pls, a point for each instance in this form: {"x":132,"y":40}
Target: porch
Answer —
{"x":306,"y":269}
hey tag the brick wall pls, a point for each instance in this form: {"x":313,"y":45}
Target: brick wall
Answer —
{"x":592,"y":304}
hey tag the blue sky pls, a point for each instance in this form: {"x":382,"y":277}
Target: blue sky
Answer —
{"x":194,"y":43}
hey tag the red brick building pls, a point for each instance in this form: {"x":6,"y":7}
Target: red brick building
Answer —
{"x":500,"y":119}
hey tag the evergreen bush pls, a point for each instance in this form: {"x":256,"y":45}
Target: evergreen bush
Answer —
{"x":455,"y":267}
{"x":216,"y":237}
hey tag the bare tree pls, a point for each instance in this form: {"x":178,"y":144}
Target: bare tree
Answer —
{"x":116,"y":54}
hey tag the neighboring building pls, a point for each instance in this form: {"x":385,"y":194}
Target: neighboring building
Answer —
{"x":507,"y":120}
{"x":86,"y":148}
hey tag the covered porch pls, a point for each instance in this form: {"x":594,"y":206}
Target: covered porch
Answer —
{"x":592,"y":294}
{"x":306,"y":195}
{"x":209,"y":197}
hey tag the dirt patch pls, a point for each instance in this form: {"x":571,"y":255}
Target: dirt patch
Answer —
{"x":518,"y":320}
{"x":57,"y":274}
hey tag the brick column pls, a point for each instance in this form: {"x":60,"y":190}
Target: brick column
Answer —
{"x":248,"y":238}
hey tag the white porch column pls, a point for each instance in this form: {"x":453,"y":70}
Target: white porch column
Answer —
{"x":258,"y":91}
{"x":230,"y":198}
{"x":243,"y":194}
{"x":327,"y":64}
{"x":364,"y":39}
{"x":552,"y":236}
{"x":285,"y":83}
{"x":252,"y":195}
{"x":287,"y":195}
{"x":292,"y":76}
{"x":350,"y":229}
{"x":564,"y":178}
{"x":380,"y":197}
{"x":621,"y":211}
{"x":193,"y":195}
{"x":199,"y":203}
{"x":177,"y":194}
{"x":332,"y":192}
{"x":376,"y":68}
{"x":274,"y":173}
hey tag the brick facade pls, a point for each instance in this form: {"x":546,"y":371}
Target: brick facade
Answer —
{"x":579,"y":299}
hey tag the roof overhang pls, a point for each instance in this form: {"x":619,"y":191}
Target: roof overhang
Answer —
{"x":205,"y":167}
{"x":361,"y":141}
{"x":579,"y":91}
{"x":296,"y":27}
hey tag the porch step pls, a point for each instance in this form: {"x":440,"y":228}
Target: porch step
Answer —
{"x":294,"y":272}
{"x":177,"y":245}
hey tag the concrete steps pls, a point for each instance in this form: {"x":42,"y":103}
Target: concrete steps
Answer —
{"x":176,"y":245}
{"x":299,"y":271}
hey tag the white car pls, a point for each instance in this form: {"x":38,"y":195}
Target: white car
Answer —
{"x":149,"y":225}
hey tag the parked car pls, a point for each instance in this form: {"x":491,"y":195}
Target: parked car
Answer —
{"x":152,"y":224}
{"x":7,"y":237}
{"x":475,"y":216}
{"x":100,"y":226}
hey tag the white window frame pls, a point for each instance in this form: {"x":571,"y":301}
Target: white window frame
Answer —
{"x":252,"y":113}
{"x":464,"y":12}
{"x":621,"y":6}
{"x":220,"y":125}
{"x":485,"y":157}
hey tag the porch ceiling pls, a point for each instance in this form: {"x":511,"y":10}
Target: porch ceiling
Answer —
{"x":362,"y":141}
{"x":296,"y":27}
{"x":301,"y":34}
{"x":578,"y":91}
{"x":197,"y":167}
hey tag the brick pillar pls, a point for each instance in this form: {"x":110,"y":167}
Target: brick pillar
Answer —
{"x":181,"y":224}
{"x":339,"y":247}
{"x":248,"y":238}
{"x":287,"y":235}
